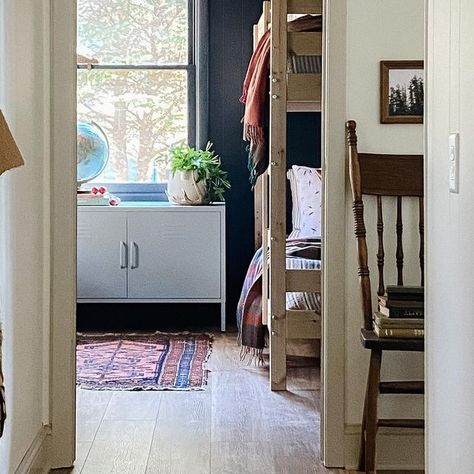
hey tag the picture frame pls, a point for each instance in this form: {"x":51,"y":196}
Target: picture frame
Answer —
{"x":401,"y":91}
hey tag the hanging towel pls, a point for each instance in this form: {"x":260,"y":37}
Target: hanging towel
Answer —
{"x":255,"y":96}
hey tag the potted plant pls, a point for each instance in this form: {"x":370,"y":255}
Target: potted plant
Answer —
{"x":196,"y":176}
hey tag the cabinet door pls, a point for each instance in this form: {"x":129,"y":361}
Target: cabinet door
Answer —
{"x":101,"y":254}
{"x":177,"y":255}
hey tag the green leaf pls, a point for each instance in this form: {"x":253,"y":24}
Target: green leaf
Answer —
{"x":206,"y":164}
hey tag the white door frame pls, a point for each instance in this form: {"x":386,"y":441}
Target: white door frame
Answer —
{"x":63,"y":232}
{"x":334,"y":230}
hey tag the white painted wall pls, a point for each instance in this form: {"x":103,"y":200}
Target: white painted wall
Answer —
{"x":23,"y":309}
{"x":378,"y":30}
{"x":450,"y":230}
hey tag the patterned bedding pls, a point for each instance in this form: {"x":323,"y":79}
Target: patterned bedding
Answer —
{"x":300,"y":254}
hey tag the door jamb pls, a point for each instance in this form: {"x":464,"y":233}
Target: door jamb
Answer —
{"x":63,"y":233}
{"x":334,"y":212}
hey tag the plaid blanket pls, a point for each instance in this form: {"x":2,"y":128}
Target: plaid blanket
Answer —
{"x":300,"y":254}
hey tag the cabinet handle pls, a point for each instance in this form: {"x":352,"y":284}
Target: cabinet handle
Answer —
{"x":123,"y":255}
{"x":134,"y":255}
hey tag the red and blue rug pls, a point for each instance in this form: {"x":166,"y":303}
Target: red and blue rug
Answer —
{"x":148,"y":361}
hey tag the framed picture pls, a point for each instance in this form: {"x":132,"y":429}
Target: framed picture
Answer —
{"x":401,"y":91}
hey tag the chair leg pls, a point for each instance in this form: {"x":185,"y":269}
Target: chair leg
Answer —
{"x":373,"y":382}
{"x":361,"y":465}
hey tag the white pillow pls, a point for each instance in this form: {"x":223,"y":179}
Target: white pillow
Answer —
{"x":305,"y":186}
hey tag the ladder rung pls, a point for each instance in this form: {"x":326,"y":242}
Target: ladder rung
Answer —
{"x":401,"y":423}
{"x":305,"y":6}
{"x":407,"y":388}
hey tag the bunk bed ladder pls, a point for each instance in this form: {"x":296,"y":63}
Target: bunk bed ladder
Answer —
{"x":270,"y":201}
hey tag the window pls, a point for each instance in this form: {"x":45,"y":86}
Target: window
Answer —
{"x":137,"y":80}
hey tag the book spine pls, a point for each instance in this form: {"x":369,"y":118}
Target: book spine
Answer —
{"x":400,"y":333}
{"x":405,"y":290}
{"x":405,"y":297}
{"x":398,"y":323}
{"x":92,"y":203}
{"x":406,"y":313}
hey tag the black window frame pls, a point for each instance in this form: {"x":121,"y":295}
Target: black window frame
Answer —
{"x":198,"y":97}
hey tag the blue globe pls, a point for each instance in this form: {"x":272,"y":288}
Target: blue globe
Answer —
{"x":92,"y":151}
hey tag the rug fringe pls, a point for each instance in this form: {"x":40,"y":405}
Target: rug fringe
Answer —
{"x":144,"y":333}
{"x":102,"y":388}
{"x":251,"y":354}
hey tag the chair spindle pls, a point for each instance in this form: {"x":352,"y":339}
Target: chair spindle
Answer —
{"x":399,"y":253}
{"x":422,"y":240}
{"x":380,"y":252}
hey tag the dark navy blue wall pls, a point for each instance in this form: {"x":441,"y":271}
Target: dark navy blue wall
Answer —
{"x":230,"y":47}
{"x":230,"y":50}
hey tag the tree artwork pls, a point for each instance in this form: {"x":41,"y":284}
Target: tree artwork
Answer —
{"x":144,"y":110}
{"x":407,"y":99}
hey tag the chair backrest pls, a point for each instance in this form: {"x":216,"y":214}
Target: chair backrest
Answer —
{"x":382,"y":175}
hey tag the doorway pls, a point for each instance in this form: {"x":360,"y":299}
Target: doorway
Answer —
{"x":64,"y":232}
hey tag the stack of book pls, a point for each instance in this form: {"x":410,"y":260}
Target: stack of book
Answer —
{"x":90,"y":199}
{"x":401,"y":313}
{"x":96,"y":197}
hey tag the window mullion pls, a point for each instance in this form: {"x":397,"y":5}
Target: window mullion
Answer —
{"x":192,"y":106}
{"x":164,"y":67}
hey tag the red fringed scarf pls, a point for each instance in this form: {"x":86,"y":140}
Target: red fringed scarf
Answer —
{"x":255,"y":96}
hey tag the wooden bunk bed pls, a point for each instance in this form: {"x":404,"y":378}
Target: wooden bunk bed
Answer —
{"x":289,"y":92}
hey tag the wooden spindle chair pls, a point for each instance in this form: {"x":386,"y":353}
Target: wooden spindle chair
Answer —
{"x":382,"y":175}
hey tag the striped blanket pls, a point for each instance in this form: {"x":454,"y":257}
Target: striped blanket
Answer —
{"x":300,"y":254}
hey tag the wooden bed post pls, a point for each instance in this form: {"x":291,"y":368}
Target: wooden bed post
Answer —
{"x":277,"y":174}
{"x":258,"y":217}
{"x":265,"y":244}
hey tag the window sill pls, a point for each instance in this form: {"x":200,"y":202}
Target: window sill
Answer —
{"x":141,"y":197}
{"x":135,"y":192}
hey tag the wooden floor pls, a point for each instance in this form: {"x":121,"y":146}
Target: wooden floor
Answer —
{"x":237,"y":425}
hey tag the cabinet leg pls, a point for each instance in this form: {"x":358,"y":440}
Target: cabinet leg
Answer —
{"x":223,"y":318}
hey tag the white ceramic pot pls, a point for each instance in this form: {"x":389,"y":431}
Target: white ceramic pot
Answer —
{"x":183,"y":188}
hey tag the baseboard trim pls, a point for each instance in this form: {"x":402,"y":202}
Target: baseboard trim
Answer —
{"x":36,"y":458}
{"x":397,"y":448}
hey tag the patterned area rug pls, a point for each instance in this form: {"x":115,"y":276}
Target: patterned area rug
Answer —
{"x":148,"y":361}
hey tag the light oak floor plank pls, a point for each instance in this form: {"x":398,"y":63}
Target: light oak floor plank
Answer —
{"x":181,"y":442}
{"x":82,"y":451}
{"x":133,"y":405}
{"x":120,"y":447}
{"x":91,"y":408}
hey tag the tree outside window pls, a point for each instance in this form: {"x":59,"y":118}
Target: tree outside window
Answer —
{"x":135,"y":71}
